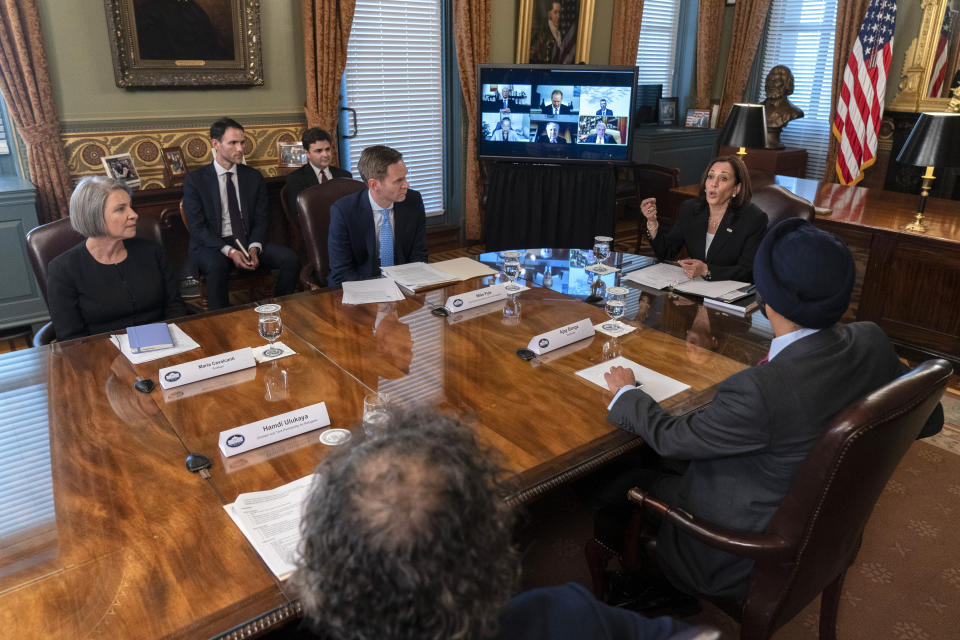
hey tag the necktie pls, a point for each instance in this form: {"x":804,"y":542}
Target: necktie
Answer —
{"x":236,"y":222}
{"x":323,"y":177}
{"x":504,"y":135}
{"x":556,"y":111}
{"x":386,"y":240}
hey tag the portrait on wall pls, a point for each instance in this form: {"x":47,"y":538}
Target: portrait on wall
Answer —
{"x":121,"y":167}
{"x":163,"y":43}
{"x":554,"y":31}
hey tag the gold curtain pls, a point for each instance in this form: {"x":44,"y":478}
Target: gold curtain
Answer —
{"x":709,"y":30}
{"x":326,"y":32}
{"x":748,"y":19}
{"x":850,"y":17}
{"x":25,"y":83}
{"x":471,"y":30}
{"x":627,"y":15}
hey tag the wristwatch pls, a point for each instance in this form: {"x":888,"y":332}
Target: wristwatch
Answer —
{"x":707,"y":275}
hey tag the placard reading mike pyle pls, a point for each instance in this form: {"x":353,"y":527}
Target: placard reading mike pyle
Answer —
{"x":561,"y":337}
{"x":180,"y":374}
{"x":475,"y":298}
{"x":263,"y":432}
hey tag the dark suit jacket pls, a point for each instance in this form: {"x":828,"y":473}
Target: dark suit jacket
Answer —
{"x":592,"y":139}
{"x":548,"y":109}
{"x":570,"y":611}
{"x":305,"y":177}
{"x":732,"y":250}
{"x":606,"y":113}
{"x":351,"y":243}
{"x":745,"y":447}
{"x":201,"y":205}
{"x":546,"y":140}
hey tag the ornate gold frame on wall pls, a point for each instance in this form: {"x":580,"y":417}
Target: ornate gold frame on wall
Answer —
{"x":525,"y":25}
{"x":246,"y":67}
{"x":918,"y":63}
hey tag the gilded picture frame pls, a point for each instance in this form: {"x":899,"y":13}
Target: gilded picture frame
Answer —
{"x":566,"y":42}
{"x":192,"y":43}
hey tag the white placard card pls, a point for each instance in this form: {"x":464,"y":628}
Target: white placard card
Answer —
{"x":561,"y":337}
{"x":270,"y":430}
{"x":180,"y":374}
{"x":471,"y":299}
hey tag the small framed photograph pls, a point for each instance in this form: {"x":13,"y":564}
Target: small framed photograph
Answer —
{"x":667,"y":110}
{"x":291,"y":154}
{"x":698,"y":118}
{"x":174,"y":166}
{"x":120,"y":166}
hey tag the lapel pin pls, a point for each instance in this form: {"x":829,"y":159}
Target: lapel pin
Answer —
{"x":729,"y":230}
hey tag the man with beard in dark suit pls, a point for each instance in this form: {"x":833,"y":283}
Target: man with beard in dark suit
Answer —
{"x":318,"y":146}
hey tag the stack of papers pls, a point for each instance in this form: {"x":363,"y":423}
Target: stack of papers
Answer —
{"x":181,"y":342}
{"x":656,"y":385}
{"x":417,"y":275}
{"x":375,"y":290}
{"x":463,"y":268}
{"x":663,"y":275}
{"x":271,"y":522}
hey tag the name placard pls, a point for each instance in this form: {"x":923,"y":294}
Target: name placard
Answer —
{"x":546,"y":342}
{"x":181,"y":374}
{"x":471,"y":299}
{"x":270,"y":430}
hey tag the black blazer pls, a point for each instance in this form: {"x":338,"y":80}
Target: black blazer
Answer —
{"x":305,"y":177}
{"x":732,"y":250}
{"x":351,"y":243}
{"x":201,"y":205}
{"x":545,"y":139}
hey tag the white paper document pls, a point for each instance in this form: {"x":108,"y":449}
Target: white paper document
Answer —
{"x":656,"y":385}
{"x":271,"y":522}
{"x":663,"y":275}
{"x":416,"y":275}
{"x":463,"y":268}
{"x":181,"y":343}
{"x":375,"y":290}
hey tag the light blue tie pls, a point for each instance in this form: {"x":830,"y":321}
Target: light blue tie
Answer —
{"x":386,"y":240}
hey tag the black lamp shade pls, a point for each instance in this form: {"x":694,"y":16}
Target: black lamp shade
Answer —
{"x":934,"y":141}
{"x":746,"y":126}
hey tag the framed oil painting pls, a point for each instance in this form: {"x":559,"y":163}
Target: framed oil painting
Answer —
{"x":185,"y":43}
{"x":554,"y":31}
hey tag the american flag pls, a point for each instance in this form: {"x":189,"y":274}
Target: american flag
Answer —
{"x":860,"y":106}
{"x":940,"y":59}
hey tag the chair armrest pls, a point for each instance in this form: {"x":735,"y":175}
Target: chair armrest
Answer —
{"x":307,"y":278}
{"x":756,"y":546}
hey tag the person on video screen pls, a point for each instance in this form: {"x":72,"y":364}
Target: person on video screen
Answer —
{"x":556,"y":106}
{"x":601,"y":136}
{"x":552,"y":135}
{"x":603,"y":111}
{"x":505,"y":133}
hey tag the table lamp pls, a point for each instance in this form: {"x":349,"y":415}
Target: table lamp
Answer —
{"x":934,"y":142}
{"x":746,"y":126}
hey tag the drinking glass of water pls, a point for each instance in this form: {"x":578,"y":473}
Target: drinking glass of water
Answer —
{"x":511,"y":268}
{"x":376,"y":413}
{"x":270,"y":326}
{"x":601,"y":249}
{"x":615,"y":305}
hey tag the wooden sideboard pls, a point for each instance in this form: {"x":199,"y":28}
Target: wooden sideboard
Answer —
{"x":910,"y":280}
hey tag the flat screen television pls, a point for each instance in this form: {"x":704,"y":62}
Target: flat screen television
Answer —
{"x":556,"y":113}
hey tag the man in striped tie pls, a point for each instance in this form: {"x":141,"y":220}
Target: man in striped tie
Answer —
{"x":382,"y":225}
{"x":318,"y":146}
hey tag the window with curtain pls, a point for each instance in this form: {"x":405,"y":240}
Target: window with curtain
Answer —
{"x":800,"y":35}
{"x":656,"y":48}
{"x":393,"y":80}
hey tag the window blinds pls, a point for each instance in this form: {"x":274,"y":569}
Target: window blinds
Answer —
{"x":800,"y":36}
{"x":393,"y":80}
{"x":657,"y":45}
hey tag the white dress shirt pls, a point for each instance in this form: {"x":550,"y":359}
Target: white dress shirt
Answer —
{"x":322,"y":172}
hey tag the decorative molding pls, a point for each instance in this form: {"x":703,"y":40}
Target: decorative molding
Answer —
{"x":84,"y":148}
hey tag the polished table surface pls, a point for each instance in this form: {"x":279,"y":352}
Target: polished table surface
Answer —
{"x":103,"y":532}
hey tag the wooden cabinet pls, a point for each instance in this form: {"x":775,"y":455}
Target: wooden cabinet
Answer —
{"x":687,"y":149}
{"x":21,"y":302}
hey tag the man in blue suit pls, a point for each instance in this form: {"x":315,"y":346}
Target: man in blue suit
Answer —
{"x":225,"y":204}
{"x":382,"y":225}
{"x":603,"y":111}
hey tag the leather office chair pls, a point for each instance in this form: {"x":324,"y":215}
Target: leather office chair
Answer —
{"x":779,"y":203}
{"x":815,"y":534}
{"x":313,"y":210}
{"x":44,"y":243}
{"x":648,"y":181}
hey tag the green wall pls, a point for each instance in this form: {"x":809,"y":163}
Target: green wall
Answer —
{"x":81,"y":69}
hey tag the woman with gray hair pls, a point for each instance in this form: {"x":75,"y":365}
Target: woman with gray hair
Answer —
{"x":112,"y":279}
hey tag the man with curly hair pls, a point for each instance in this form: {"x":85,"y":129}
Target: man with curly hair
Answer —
{"x":408,"y":535}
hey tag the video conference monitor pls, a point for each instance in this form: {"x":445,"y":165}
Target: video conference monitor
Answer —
{"x":556,"y":113}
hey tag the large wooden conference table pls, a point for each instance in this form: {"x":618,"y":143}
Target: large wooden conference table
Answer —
{"x":103,"y":531}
